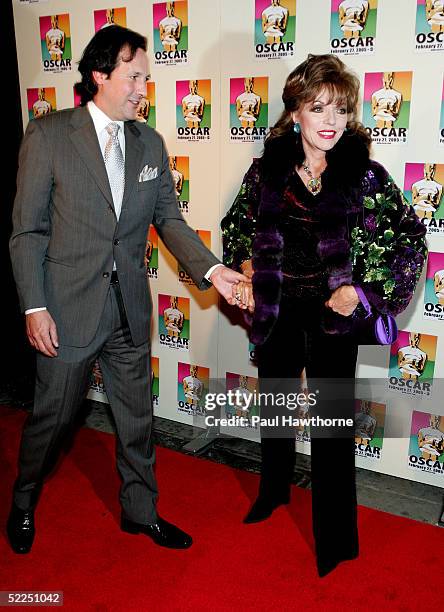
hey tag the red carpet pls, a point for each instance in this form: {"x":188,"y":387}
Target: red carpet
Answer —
{"x":80,"y":550}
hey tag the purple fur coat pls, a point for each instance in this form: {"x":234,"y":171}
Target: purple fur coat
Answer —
{"x":350,"y":179}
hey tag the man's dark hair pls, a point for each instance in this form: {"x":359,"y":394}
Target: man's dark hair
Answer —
{"x":101,"y":54}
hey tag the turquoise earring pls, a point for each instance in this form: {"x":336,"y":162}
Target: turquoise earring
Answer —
{"x":297,"y":128}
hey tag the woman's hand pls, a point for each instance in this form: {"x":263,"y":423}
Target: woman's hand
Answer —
{"x":247,"y":268}
{"x":243,"y":294}
{"x":343,"y":300}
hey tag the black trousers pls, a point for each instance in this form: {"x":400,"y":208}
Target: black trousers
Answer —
{"x":297,"y":341}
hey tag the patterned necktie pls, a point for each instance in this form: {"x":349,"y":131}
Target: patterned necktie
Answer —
{"x":115,"y":166}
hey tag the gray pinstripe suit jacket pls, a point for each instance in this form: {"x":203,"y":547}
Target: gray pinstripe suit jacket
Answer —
{"x":66,"y":234}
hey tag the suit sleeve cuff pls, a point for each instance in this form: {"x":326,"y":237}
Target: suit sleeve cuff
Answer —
{"x":211,"y":270}
{"x":31,"y":310}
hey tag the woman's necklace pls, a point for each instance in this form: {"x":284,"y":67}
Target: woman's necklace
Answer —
{"x":314,"y":185}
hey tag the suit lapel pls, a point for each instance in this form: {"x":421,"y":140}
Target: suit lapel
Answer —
{"x":85,"y":140}
{"x":133,"y":158}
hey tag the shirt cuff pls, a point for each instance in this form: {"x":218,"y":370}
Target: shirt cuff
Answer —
{"x":31,"y":310}
{"x":211,"y":270}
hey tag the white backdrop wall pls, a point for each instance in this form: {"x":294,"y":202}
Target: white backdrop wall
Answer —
{"x":219,"y":44}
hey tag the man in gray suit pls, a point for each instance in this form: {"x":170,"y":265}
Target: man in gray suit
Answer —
{"x":90,"y":182}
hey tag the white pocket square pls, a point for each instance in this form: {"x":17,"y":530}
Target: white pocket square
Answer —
{"x":148,"y":174}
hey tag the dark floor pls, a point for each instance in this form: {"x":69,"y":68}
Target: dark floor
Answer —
{"x":395,"y":495}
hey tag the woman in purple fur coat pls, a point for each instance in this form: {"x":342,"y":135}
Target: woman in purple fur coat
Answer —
{"x":314,"y":218}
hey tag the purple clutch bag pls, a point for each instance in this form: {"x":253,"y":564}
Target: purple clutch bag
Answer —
{"x":373,"y":328}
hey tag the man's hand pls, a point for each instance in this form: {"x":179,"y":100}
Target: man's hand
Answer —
{"x":225,"y":280}
{"x":42,"y":332}
{"x":343,"y":300}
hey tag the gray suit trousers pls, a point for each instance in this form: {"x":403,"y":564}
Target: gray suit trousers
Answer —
{"x":61,"y":385}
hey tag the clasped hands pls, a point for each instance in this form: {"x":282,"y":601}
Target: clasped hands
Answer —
{"x":230,"y":285}
{"x":243,"y":291}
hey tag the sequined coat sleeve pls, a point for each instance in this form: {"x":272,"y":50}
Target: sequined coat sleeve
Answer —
{"x":388,"y":248}
{"x":239,"y":224}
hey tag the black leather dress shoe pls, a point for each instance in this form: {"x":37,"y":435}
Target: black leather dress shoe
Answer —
{"x":20,"y":530}
{"x":263,"y":508}
{"x":162,"y":533}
